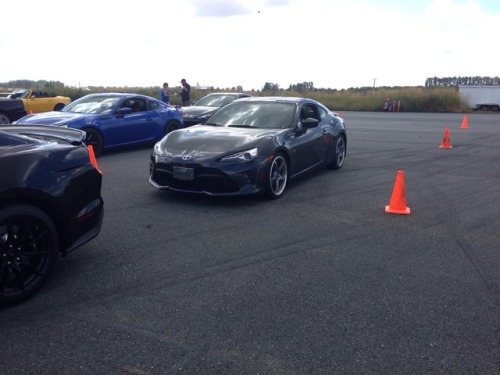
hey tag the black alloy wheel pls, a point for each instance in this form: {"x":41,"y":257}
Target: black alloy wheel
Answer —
{"x":29,"y":247}
{"x":277,"y":177}
{"x":94,"y":138}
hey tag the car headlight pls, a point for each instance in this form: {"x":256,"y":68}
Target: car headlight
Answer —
{"x":158,"y":148}
{"x":243,"y":156}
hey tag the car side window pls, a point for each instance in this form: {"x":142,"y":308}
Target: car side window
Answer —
{"x":135,"y":104}
{"x":309,"y":111}
{"x":322,"y":114}
{"x":153,"y":106}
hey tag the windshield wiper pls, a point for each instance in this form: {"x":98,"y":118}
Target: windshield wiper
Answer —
{"x":211,"y":124}
{"x":241,"y":126}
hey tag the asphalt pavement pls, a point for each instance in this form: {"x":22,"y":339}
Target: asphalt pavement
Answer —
{"x":320,"y":281}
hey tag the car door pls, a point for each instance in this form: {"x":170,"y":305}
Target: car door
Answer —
{"x":308,"y":143}
{"x":134,"y":127}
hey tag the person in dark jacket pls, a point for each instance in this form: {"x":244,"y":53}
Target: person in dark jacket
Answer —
{"x":186,"y":90}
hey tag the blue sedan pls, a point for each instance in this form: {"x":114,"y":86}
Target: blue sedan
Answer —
{"x":114,"y":120}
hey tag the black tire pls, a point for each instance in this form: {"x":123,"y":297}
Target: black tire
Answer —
{"x":336,"y":160}
{"x":277,"y":177}
{"x":94,"y":138}
{"x":171,"y":126}
{"x":4,"y":119}
{"x":29,"y":247}
{"x":58,"y":106}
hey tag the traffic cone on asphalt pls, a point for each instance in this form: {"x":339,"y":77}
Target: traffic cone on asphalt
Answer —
{"x":397,"y":205}
{"x":465,"y":123}
{"x":446,"y":139}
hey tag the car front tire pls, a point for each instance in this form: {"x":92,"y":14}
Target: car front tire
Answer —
{"x":277,"y":177}
{"x":94,"y":138}
{"x":337,"y":159}
{"x":29,"y":247}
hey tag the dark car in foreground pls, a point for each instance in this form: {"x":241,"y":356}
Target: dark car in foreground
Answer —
{"x":114,"y":120}
{"x":204,"y":107}
{"x":250,"y":146}
{"x":50,"y":203}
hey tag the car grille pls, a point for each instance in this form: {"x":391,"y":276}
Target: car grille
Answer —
{"x":209,"y":180}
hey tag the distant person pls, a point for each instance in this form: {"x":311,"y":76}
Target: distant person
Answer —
{"x":186,"y":90}
{"x":388,"y":105}
{"x":165,"y":94}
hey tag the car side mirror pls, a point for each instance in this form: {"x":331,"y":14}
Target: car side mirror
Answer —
{"x":310,"y":123}
{"x":124,"y":111}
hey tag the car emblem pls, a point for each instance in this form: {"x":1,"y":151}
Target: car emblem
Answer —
{"x":186,"y":157}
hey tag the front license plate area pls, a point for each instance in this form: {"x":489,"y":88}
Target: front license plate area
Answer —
{"x":183,"y":173}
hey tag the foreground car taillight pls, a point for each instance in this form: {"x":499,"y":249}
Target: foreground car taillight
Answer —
{"x":93,"y":159}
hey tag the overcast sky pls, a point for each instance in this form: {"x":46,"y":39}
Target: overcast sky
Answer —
{"x":228,"y":43}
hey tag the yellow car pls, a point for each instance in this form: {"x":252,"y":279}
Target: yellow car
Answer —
{"x":36,"y":102}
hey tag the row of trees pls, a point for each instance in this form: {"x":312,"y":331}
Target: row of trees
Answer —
{"x":462,"y":81}
{"x":60,"y":88}
{"x":299,"y":87}
{"x":429,"y":82}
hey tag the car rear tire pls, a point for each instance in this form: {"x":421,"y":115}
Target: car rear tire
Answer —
{"x":277,"y":177}
{"x":94,"y":138}
{"x":4,"y":119}
{"x":171,"y":126}
{"x":29,"y":247}
{"x":338,"y":156}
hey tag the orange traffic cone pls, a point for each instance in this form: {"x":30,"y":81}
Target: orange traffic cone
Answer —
{"x":446,"y":139}
{"x":31,"y":112}
{"x":397,"y":205}
{"x":465,"y":123}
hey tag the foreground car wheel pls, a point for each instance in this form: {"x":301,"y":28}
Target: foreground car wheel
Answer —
{"x":29,"y":247}
{"x":94,"y":138}
{"x":277,"y":177}
{"x":337,"y":159}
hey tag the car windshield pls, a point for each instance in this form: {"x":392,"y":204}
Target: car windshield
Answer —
{"x":215,"y":100}
{"x":267,"y":115}
{"x":19,"y":94}
{"x":96,"y":104}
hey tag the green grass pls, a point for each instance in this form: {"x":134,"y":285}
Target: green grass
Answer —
{"x":412,"y":99}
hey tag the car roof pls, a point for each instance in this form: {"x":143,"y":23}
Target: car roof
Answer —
{"x":286,"y":99}
{"x":114,"y":94}
{"x":122,"y":95}
{"x":228,"y":93}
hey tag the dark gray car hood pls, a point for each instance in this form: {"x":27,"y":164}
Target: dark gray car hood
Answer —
{"x":214,"y":139}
